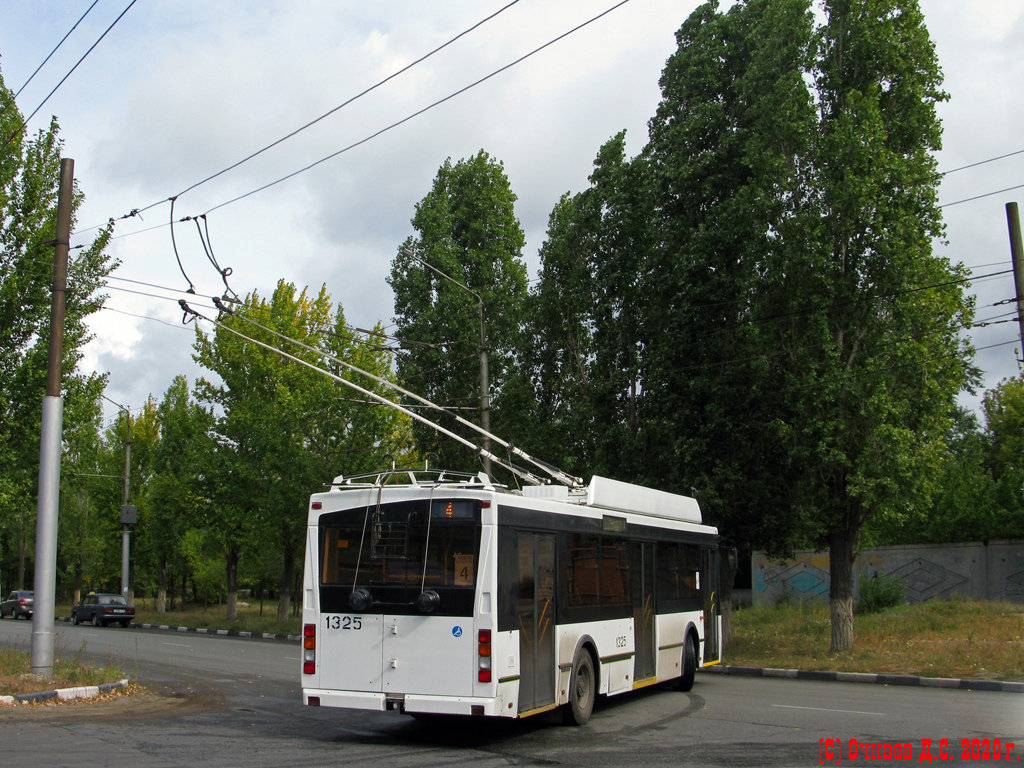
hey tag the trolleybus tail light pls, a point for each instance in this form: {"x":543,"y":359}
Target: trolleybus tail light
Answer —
{"x":484,"y":653}
{"x":308,"y":649}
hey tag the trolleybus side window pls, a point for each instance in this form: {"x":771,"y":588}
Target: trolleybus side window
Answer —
{"x":678,"y":575}
{"x":597,"y":572}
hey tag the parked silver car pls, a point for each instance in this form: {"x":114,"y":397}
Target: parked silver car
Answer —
{"x":18,"y":604}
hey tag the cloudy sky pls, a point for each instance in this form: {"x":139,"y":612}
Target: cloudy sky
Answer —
{"x":178,"y":91}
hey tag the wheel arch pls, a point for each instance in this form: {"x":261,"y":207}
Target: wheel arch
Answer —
{"x":698,"y":641}
{"x":587,"y":643}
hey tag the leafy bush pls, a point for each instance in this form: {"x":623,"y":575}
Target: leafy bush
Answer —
{"x":879,"y":592}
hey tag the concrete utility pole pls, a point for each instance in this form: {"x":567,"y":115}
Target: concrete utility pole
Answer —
{"x":45,"y":586}
{"x":485,"y":399}
{"x":1017,"y":252}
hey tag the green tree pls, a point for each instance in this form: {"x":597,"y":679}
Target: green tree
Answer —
{"x":1004,"y":433}
{"x":77,"y":540}
{"x":586,"y":332}
{"x":468,"y":230}
{"x":143,"y":431}
{"x":725,"y":144}
{"x":285,"y":429}
{"x":177,"y":502}
{"x":876,"y":353}
{"x":964,"y":506}
{"x":29,"y":181}
{"x":560,"y":343}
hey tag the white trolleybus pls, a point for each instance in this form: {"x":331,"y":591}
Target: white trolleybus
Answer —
{"x":440,"y":592}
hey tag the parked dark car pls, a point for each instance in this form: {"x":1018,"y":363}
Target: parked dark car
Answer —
{"x":18,"y":603}
{"x":103,"y":609}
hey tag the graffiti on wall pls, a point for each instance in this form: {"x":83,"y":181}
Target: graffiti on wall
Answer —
{"x":992,"y":570}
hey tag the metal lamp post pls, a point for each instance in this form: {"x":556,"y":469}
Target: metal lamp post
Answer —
{"x":126,"y":531}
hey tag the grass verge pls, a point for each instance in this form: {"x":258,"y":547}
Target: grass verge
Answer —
{"x":958,"y":638}
{"x":250,"y":618}
{"x":16,"y":676}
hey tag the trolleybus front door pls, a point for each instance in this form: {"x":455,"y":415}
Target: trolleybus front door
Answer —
{"x":536,"y":621}
{"x":642,"y":567}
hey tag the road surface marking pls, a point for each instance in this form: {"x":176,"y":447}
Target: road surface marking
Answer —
{"x":819,"y":709}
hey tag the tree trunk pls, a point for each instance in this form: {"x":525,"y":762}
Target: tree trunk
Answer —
{"x":284,"y":599}
{"x":232,"y":583}
{"x":79,"y":568}
{"x":161,"y":587}
{"x":22,"y":547}
{"x":841,"y":552}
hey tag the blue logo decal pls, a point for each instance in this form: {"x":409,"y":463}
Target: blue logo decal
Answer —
{"x":456,"y":631}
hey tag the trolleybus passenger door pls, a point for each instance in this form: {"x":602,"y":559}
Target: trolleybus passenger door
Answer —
{"x":642,"y":567}
{"x":536,"y":614}
{"x":710,"y":592}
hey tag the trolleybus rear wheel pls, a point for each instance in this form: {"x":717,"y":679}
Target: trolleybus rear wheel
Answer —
{"x":685,"y":681}
{"x":581,"y":690}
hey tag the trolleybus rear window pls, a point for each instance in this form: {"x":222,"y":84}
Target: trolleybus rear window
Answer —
{"x":398,"y":549}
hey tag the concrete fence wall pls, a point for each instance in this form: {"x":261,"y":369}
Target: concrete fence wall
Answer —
{"x":991,"y":570}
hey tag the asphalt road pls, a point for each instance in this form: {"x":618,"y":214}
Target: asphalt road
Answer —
{"x":234,"y":702}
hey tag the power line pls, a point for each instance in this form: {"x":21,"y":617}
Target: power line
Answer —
{"x":979,"y":197}
{"x":347,"y":101}
{"x":145,"y":317}
{"x":981,"y":162}
{"x":138,"y":211}
{"x":11,"y":103}
{"x":26,"y":120}
{"x":422,"y":111}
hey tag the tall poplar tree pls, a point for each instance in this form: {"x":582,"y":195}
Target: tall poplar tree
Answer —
{"x":726,"y":149}
{"x":29,"y":183}
{"x":878,"y":360}
{"x":468,"y":230}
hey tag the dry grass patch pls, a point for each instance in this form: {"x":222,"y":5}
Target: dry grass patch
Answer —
{"x":958,"y":638}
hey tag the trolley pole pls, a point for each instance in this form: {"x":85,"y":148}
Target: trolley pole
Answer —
{"x":1017,"y":252}
{"x":45,"y":586}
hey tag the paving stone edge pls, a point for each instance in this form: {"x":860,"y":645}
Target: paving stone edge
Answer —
{"x":63,"y":694}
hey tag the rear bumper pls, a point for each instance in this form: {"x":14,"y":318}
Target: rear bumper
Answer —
{"x":440,"y":705}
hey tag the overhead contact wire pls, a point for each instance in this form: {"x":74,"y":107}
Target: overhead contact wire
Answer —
{"x":421,"y":111}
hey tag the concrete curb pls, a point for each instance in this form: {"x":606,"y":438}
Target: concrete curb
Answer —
{"x":202,"y":631}
{"x":63,"y":694}
{"x":864,"y":677}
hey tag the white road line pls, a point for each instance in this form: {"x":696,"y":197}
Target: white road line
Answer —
{"x":819,"y":709}
{"x":180,"y":645}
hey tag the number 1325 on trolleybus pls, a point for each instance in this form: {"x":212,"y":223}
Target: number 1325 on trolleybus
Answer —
{"x":440,"y":592}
